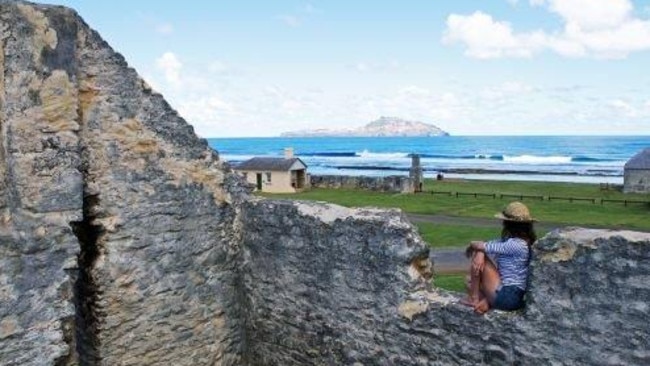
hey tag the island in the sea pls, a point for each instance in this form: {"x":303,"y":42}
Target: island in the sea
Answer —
{"x":383,"y":127}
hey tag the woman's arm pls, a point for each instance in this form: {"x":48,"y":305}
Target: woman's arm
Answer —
{"x":474,"y":246}
{"x":478,"y":246}
{"x":476,"y":251}
{"x":510,"y":247}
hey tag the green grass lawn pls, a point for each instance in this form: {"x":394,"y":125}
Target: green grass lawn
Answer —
{"x":633,"y":216}
{"x":444,"y":236}
{"x":529,"y":188}
{"x":451,"y":282}
{"x":459,"y":236}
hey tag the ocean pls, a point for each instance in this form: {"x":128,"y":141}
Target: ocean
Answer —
{"x":580,"y":159}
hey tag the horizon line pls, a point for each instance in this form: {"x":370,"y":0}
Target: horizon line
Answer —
{"x":450,"y":135}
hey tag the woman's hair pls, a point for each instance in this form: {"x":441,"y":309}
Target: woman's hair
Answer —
{"x":516,"y":229}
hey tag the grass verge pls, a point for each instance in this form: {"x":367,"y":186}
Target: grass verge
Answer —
{"x":580,"y":213}
{"x":451,"y":282}
{"x":459,"y":236}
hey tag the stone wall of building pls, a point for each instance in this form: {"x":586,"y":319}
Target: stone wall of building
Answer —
{"x":636,"y":181}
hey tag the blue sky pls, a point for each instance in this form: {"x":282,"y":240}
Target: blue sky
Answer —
{"x":490,"y":67}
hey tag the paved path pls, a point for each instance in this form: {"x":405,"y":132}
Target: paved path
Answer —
{"x":449,"y":261}
{"x":452,"y":260}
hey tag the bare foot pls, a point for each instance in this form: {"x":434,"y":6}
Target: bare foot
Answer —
{"x":469,"y":301}
{"x":482,"y":306}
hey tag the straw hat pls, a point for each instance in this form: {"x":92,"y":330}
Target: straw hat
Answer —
{"x":515,"y":211}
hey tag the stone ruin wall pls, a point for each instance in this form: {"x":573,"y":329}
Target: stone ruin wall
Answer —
{"x":118,"y":243}
{"x":391,"y":183}
{"x":351,"y":288}
{"x":124,"y":240}
{"x":636,"y":181}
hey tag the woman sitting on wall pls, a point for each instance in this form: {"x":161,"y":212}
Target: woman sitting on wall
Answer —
{"x":499,"y":269}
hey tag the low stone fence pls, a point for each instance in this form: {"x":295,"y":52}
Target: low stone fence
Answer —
{"x":391,"y":183}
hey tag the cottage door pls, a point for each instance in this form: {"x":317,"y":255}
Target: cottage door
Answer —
{"x":259,"y":181}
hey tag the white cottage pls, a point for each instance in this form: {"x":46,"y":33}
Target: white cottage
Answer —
{"x":275,"y":175}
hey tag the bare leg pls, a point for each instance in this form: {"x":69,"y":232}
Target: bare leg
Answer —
{"x":490,"y":281}
{"x":473,"y":285}
{"x":468,"y":300}
{"x":482,"y":286}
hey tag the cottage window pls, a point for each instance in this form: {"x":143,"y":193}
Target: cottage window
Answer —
{"x":268,"y":177}
{"x":245,"y":175}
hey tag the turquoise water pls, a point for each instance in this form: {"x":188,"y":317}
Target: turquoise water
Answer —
{"x":545,"y":158}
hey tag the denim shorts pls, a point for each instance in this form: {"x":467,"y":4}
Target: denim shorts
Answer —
{"x":509,"y":298}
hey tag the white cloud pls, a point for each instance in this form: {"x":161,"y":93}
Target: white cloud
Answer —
{"x":217,"y":66}
{"x":299,"y":15}
{"x":156,"y":24}
{"x":617,"y":42}
{"x":506,"y":90}
{"x":310,"y":9}
{"x":165,"y":29}
{"x":592,"y":14}
{"x":415,"y":91}
{"x":410,"y":102}
{"x":223,"y":103}
{"x":290,"y":20}
{"x":594,"y":28}
{"x":377,"y":67}
{"x":486,"y":38}
{"x":361,"y":67}
{"x":206,"y":107}
{"x":171,"y":67}
{"x":211,"y":115}
{"x":196,"y":79}
{"x":623,"y":107}
{"x":630,"y":110}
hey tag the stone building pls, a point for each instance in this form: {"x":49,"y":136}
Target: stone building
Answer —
{"x":637,"y":173}
{"x":275,"y":175}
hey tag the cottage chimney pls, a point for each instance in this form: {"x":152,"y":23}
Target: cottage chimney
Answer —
{"x":288,"y":152}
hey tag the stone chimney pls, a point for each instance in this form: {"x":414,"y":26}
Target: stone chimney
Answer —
{"x":288,"y":152}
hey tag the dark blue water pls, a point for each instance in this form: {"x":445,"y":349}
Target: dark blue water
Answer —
{"x":546,"y":158}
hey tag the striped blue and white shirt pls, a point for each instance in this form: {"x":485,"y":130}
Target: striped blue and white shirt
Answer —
{"x":511,"y":258}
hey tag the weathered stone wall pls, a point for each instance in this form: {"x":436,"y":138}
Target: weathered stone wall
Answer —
{"x":41,"y":192}
{"x":326,"y":285}
{"x":322,"y":282}
{"x":636,"y":181}
{"x":164,"y":268}
{"x":391,"y":183}
{"x":124,"y":240}
{"x":587,"y":305}
{"x":118,"y":236}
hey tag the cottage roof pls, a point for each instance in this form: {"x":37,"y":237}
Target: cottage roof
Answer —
{"x":640,"y":161}
{"x":272,"y":164}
